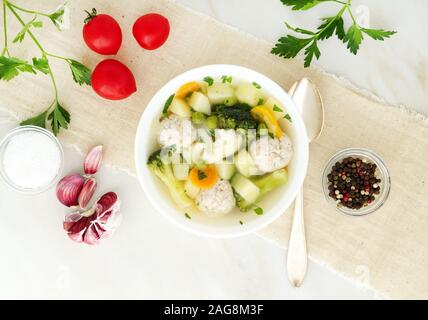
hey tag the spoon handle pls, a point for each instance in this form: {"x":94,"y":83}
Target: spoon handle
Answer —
{"x":297,"y":258}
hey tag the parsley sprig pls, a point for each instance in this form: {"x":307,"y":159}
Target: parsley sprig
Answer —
{"x":290,"y":45}
{"x":11,"y":67}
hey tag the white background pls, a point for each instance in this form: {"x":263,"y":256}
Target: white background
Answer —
{"x":150,"y":258}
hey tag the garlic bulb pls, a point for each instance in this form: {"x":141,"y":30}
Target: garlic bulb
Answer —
{"x":76,"y":190}
{"x":97,"y":223}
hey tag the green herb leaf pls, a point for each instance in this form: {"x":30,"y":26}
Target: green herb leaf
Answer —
{"x":327,"y":28}
{"x":240,"y":222}
{"x":226,"y":79}
{"x":57,"y":17}
{"x":258,"y":211}
{"x":81,"y":74}
{"x":289,"y":46}
{"x":39,"y":120}
{"x":187,"y":216}
{"x":59,"y":117}
{"x":276,"y":108}
{"x":310,"y":52}
{"x":301,"y":4}
{"x":41,"y":64}
{"x":255,"y":84}
{"x":167,"y":104}
{"x":378,"y":34}
{"x":10,"y":67}
{"x":353,"y":37}
{"x":340,"y":29}
{"x":260,"y":102}
{"x":288,"y":117}
{"x":201,"y":175}
{"x":299,"y":30}
{"x":21,"y":34}
{"x":209,"y":80}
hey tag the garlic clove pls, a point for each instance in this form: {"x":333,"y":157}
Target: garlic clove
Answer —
{"x":106,"y":203}
{"x":75,"y":226}
{"x":68,"y":189}
{"x":93,"y":160}
{"x":87,"y":192}
{"x":108,"y":213}
{"x":92,"y":236}
{"x":95,"y":224}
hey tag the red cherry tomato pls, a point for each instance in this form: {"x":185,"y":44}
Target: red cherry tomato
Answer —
{"x":151,"y":31}
{"x":113,"y":80}
{"x":102,"y":33}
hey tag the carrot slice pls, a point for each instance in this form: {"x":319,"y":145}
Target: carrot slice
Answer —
{"x":204,"y":178}
{"x":187,"y":88}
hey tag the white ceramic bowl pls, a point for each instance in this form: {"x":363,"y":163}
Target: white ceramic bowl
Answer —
{"x":273,"y":204}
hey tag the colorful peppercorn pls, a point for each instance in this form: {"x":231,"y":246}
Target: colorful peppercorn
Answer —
{"x":353,"y":183}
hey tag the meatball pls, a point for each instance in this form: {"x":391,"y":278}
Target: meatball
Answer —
{"x":270,"y":154}
{"x":176,"y":131}
{"x":217,"y":200}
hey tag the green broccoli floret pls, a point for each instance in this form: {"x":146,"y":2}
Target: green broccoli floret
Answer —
{"x":164,"y":171}
{"x":235,"y":117}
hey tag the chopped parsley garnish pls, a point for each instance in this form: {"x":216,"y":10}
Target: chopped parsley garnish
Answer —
{"x":187,"y":216}
{"x":167,"y":104}
{"x":226,"y":79}
{"x":276,"y":108}
{"x":209,"y":80}
{"x":240,"y":222}
{"x":258,"y":211}
{"x":288,"y":117}
{"x":257,"y":85}
{"x":201,"y":175}
{"x":260,"y":102}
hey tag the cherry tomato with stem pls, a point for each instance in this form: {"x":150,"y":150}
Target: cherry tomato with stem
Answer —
{"x":102,"y":33}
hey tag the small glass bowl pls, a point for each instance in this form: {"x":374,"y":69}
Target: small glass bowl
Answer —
{"x":3,"y":145}
{"x":381,"y":172}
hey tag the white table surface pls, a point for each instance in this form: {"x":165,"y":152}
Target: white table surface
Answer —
{"x":150,"y":258}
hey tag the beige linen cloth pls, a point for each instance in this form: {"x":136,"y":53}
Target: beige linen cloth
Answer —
{"x":387,"y":250}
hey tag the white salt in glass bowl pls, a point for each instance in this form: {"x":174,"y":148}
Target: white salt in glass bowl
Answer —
{"x":3,"y":146}
{"x":274,"y":204}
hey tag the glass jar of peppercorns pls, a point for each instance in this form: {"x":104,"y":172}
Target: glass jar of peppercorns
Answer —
{"x":356,"y":181}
